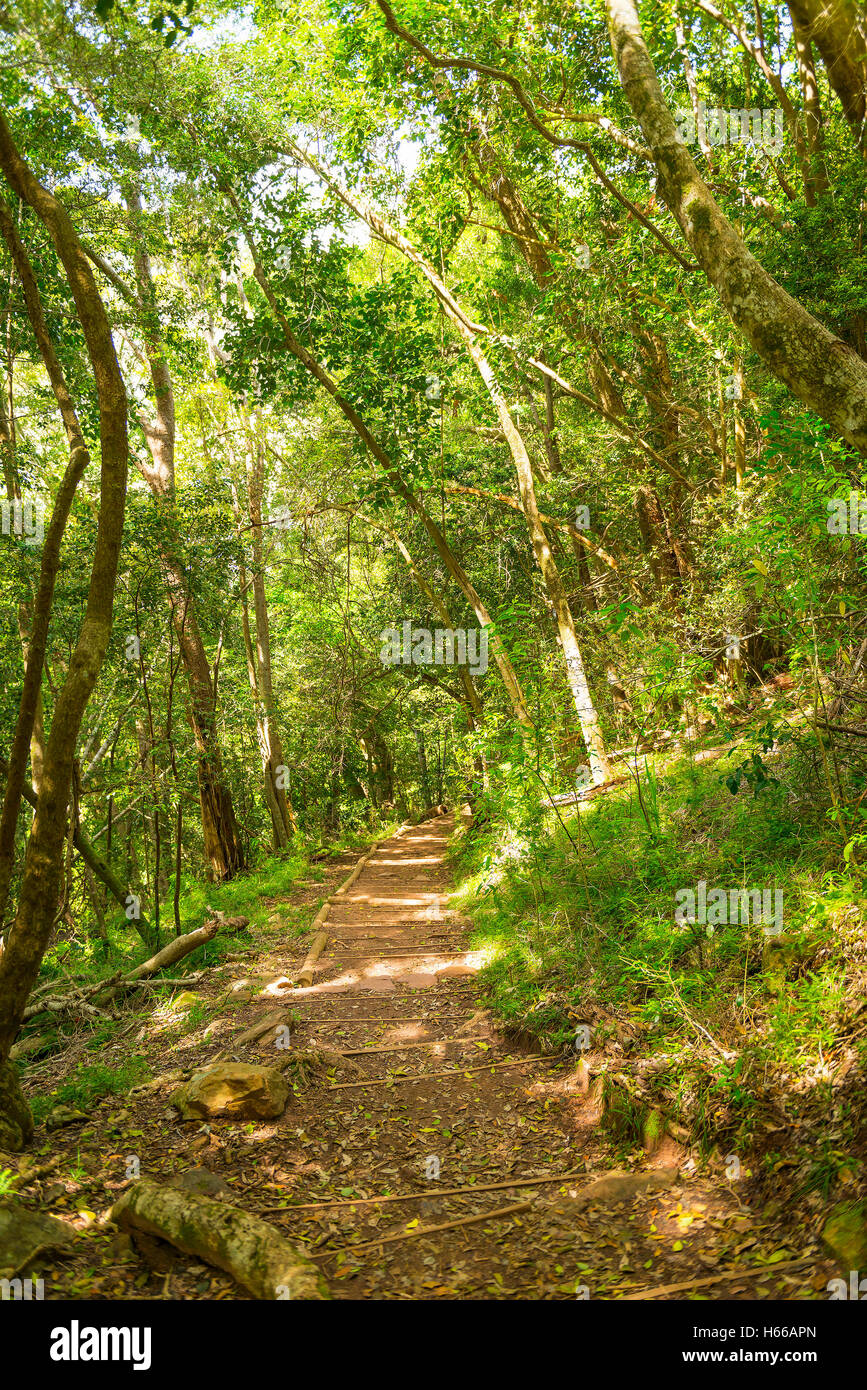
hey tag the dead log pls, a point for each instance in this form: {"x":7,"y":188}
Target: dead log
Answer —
{"x":76,"y":1001}
{"x":251,"y":1250}
{"x":175,"y":951}
{"x":306,"y":973}
{"x":72,"y":999}
{"x":227,"y":924}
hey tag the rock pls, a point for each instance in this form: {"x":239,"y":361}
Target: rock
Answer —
{"x":202,"y":1182}
{"x":184,"y":1002}
{"x":845,"y":1234}
{"x":233,"y":1090}
{"x":16,"y":1122}
{"x":60,"y":1115}
{"x":25,"y":1234}
{"x":653,"y":1131}
{"x":623,"y":1187}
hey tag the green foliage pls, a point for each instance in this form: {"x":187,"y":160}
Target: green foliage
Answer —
{"x":600,"y":929}
{"x":90,"y":1083}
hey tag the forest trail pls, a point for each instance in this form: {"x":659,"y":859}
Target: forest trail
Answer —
{"x":459,"y":1108}
{"x":429,"y":1096}
{"x":478,"y":1112}
{"x":466,"y":1110}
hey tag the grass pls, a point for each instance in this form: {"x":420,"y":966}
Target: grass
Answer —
{"x":89,"y":1083}
{"x":577,"y":922}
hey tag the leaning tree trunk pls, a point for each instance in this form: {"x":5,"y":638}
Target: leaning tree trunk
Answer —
{"x":223,"y":850}
{"x":837,"y":30}
{"x":817,"y":366}
{"x":43,"y":865}
{"x":29,"y":721}
{"x":25,"y":607}
{"x":444,"y":550}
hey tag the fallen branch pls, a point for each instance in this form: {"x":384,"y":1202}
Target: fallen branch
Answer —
{"x":436,"y":1075}
{"x":76,"y":1001}
{"x":434,"y":1194}
{"x":73,"y":998}
{"x":495,"y":1215}
{"x":175,"y":951}
{"x":742,"y":1272}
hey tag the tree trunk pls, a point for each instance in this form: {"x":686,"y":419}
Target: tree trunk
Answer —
{"x":28,"y":725}
{"x":43,"y":866}
{"x":818,"y":367}
{"x":837,"y":30}
{"x":273,"y":761}
{"x":507,"y":672}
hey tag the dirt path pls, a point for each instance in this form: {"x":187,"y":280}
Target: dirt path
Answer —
{"x":450,"y":1104}
{"x":466,"y":1110}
